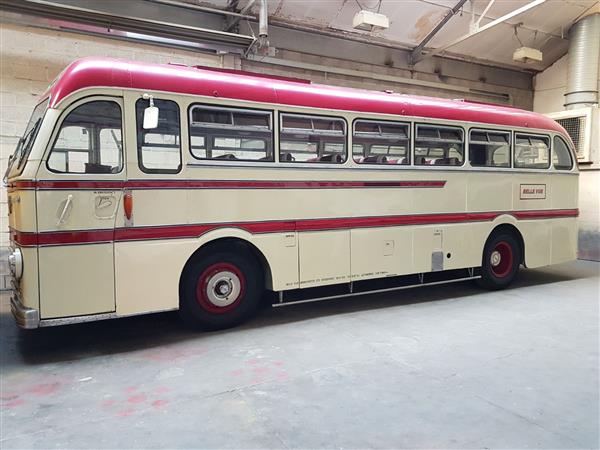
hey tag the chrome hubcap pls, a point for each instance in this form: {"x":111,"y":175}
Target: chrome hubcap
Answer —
{"x":223,"y":288}
{"x":495,"y":258}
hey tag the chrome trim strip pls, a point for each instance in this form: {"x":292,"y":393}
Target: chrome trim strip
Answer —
{"x":76,"y":319}
{"x":93,"y":318}
{"x":353,"y":294}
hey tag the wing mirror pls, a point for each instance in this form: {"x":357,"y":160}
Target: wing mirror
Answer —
{"x":150,"y":115}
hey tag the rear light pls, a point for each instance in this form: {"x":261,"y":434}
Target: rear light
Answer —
{"x":15,"y":262}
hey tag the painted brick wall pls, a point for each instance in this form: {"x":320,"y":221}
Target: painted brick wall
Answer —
{"x":30,"y":58}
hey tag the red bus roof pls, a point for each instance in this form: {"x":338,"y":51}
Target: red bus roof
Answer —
{"x":108,"y":72}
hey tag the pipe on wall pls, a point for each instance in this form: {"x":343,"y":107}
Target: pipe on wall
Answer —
{"x":583,"y":70}
{"x":263,"y":23}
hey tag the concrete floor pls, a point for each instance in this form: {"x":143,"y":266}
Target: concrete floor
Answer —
{"x":443,"y":367}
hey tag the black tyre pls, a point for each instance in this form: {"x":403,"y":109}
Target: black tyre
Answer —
{"x":221,"y":287}
{"x":502,"y":257}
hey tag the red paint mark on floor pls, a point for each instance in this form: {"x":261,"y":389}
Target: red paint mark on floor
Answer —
{"x":158,"y":404}
{"x":139,"y":398}
{"x":283,"y":376}
{"x":13,"y":403}
{"x":170,"y":355}
{"x":130,"y":389}
{"x":131,"y":405}
{"x":253,"y":362}
{"x":260,"y":370}
{"x":44,"y":389}
{"x":236,"y":372}
{"x":163,"y":355}
{"x":278,"y":363}
{"x":126,"y":412}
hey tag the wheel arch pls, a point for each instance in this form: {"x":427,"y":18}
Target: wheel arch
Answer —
{"x":512,"y":229}
{"x":231,"y":238}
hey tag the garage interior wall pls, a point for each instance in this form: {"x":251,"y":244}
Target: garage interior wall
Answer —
{"x":549,"y":97}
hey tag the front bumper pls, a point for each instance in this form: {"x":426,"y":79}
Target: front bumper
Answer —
{"x":25,"y":317}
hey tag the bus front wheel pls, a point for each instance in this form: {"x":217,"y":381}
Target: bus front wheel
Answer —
{"x":221,"y":288}
{"x":501,"y":261}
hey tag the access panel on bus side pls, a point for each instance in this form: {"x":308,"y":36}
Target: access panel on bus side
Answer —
{"x":324,"y":257}
{"x":381,"y":252}
{"x":79,"y":190}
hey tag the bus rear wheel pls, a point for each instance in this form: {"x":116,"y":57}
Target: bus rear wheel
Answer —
{"x":501,"y":261}
{"x":221,"y":288}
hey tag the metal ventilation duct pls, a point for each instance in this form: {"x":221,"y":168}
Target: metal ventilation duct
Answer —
{"x":583,"y":63}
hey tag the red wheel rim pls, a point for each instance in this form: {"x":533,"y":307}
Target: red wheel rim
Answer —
{"x":501,"y":259}
{"x":220,"y":288}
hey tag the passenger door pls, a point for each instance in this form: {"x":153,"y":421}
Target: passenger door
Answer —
{"x":148,"y":268}
{"x":80,"y":186}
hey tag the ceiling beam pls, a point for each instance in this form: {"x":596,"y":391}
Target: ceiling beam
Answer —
{"x":417,"y":53}
{"x":124,"y":17}
{"x":487,"y":26}
{"x":223,"y":12}
{"x":232,"y":5}
{"x":487,"y":8}
{"x":232,"y":22}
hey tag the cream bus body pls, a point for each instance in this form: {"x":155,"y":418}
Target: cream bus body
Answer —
{"x":307,"y":225}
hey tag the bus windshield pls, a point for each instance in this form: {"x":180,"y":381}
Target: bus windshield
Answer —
{"x":19,"y":157}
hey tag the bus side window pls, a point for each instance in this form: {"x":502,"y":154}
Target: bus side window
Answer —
{"x":488,"y":148}
{"x":561,"y":155}
{"x":379,"y":142}
{"x":231,"y":133}
{"x":532,"y":152}
{"x":312,"y":139}
{"x":159,"y":149}
{"x":89,"y":140}
{"x":439,"y":145}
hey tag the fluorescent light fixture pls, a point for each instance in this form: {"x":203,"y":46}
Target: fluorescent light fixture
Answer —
{"x":527,"y":55}
{"x":370,"y":21}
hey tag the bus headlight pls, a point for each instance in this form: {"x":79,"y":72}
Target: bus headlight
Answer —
{"x":15,"y":262}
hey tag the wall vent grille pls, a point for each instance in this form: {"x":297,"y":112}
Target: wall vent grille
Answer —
{"x":582,"y":125}
{"x":575,"y":126}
